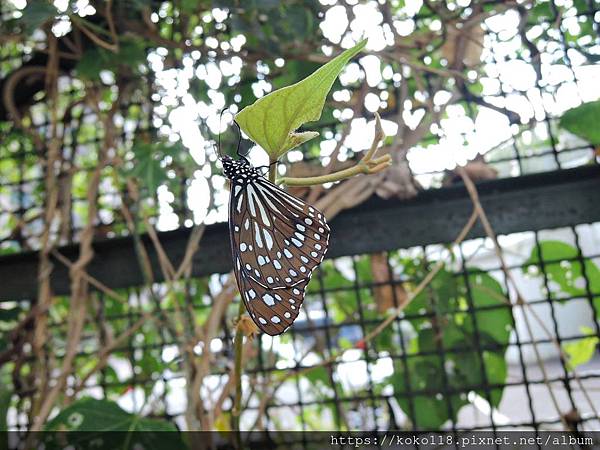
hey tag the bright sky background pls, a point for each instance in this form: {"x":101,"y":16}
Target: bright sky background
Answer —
{"x":178,"y":114}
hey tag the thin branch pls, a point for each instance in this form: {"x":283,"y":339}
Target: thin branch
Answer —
{"x":85,"y":27}
{"x":472,"y":190}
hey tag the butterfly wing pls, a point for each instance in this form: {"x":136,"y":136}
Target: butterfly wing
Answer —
{"x":277,"y":241}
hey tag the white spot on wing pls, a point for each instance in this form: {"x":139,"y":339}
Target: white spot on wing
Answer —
{"x":239,"y":203}
{"x":257,"y":236}
{"x":268,"y":299}
{"x":250,"y":192}
{"x":268,"y":239}
{"x":275,"y":319}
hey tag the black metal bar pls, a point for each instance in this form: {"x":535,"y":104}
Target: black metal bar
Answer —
{"x":528,"y":203}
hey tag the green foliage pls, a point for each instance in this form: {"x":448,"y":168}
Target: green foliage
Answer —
{"x":5,"y":399}
{"x":5,"y":396}
{"x":37,"y":13}
{"x":131,"y":54}
{"x":103,"y":416}
{"x":151,"y":161}
{"x":583,"y":121}
{"x":272,"y":120}
{"x":473,"y":345}
{"x":582,"y":350}
{"x":567,"y":275}
{"x":564,"y":270}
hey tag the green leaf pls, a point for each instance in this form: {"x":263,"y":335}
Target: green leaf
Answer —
{"x":487,"y":292}
{"x":132,"y":52}
{"x":103,"y":417}
{"x":9,"y":315}
{"x":5,"y":396}
{"x":582,"y":350}
{"x":583,"y":121}
{"x":272,"y":121}
{"x":37,"y":13}
{"x":565,"y":272}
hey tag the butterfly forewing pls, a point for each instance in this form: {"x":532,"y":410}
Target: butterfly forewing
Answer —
{"x":277,"y":241}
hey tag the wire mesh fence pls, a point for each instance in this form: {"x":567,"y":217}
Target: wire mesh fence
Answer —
{"x":462,"y":356}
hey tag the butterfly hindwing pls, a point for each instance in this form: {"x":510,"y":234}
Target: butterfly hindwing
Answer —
{"x":277,"y":241}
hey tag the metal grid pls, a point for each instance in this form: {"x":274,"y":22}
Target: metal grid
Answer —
{"x":367,"y":407}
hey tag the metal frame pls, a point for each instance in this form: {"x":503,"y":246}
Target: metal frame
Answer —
{"x":528,"y":203}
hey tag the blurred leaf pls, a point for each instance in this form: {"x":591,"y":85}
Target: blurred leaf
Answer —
{"x":223,"y":422}
{"x":565,"y":272}
{"x":272,"y":121}
{"x":36,"y":13}
{"x":5,"y":396}
{"x":486,"y":292}
{"x":148,"y":168}
{"x":430,"y":411}
{"x":583,"y":121}
{"x":318,"y":375}
{"x":9,"y":315}
{"x":582,"y":350}
{"x":151,"y":160}
{"x":131,"y":53}
{"x":103,"y":416}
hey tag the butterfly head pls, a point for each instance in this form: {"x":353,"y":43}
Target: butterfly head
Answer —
{"x":239,"y":169}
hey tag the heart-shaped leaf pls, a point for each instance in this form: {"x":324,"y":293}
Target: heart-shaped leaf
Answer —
{"x":272,"y":121}
{"x":103,"y":424}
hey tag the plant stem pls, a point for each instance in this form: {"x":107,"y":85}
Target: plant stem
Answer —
{"x":237,"y":371}
{"x":367,"y":165}
{"x":373,"y":166}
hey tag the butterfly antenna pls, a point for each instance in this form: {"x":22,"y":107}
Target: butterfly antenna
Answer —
{"x":240,"y":142}
{"x":220,"y":153}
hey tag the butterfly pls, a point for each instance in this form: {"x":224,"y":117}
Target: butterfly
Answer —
{"x":277,"y":240}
